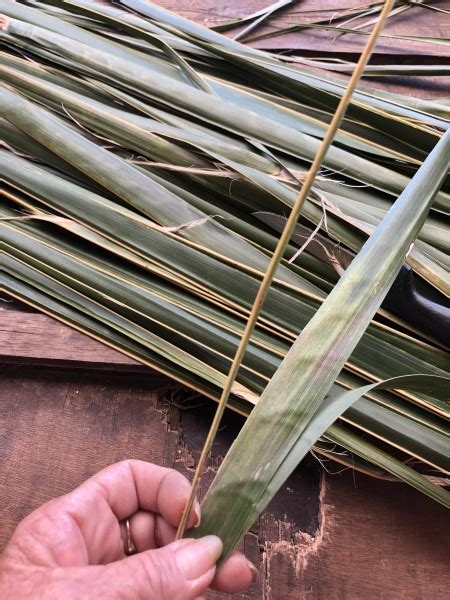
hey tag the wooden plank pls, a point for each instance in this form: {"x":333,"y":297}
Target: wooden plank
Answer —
{"x":59,"y":427}
{"x":38,"y":339}
{"x":416,"y":21}
{"x":344,"y":537}
{"x":377,"y":541}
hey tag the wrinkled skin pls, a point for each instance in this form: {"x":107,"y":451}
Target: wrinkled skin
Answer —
{"x":73,"y":546}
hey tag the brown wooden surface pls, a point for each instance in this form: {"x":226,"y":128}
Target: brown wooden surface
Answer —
{"x":38,"y":339}
{"x":416,"y":21}
{"x":324,"y":536}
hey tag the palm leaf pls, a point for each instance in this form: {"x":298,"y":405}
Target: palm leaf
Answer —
{"x":86,"y":248}
{"x":291,"y":413}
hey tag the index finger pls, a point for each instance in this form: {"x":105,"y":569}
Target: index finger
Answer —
{"x":95,"y":508}
{"x":131,"y":485}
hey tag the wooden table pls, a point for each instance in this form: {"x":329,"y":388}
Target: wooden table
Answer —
{"x":70,"y":406}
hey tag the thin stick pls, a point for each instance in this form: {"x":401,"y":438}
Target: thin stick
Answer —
{"x":277,"y":255}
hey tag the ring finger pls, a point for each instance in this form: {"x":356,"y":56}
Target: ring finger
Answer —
{"x":146,"y":531}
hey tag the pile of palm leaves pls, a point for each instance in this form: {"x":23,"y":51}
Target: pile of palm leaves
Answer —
{"x":149,"y":165}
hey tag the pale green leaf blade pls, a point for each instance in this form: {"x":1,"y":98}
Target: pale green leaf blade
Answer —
{"x":270,"y":437}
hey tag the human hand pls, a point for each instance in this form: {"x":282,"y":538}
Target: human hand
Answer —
{"x":73,"y":547}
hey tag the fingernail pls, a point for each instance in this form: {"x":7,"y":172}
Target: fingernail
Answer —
{"x":199,"y":556}
{"x":198,"y":514}
{"x":253,"y":570}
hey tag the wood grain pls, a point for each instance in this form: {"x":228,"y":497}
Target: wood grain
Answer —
{"x":324,"y":537}
{"x":38,"y":339}
{"x":58,"y":427}
{"x":377,"y":541}
{"x":417,"y":21}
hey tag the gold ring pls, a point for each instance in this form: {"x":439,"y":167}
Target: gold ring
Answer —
{"x":130,"y":548}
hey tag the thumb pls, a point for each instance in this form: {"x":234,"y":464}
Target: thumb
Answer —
{"x":179,"y":571}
